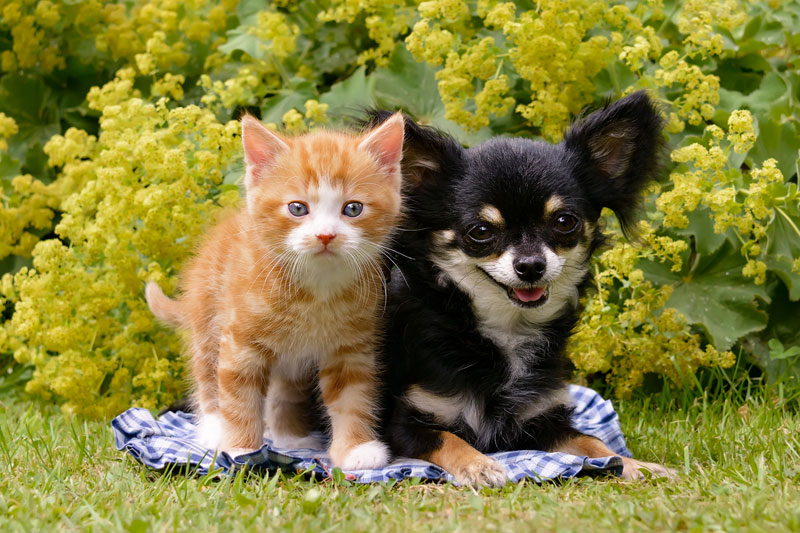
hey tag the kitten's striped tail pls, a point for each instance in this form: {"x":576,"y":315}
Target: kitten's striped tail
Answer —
{"x":165,"y":308}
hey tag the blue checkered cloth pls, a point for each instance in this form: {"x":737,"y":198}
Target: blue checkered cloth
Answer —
{"x":170,"y":443}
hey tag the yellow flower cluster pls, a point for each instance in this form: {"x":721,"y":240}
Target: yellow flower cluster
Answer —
{"x":246,"y":87}
{"x":130,"y":200}
{"x":8,"y":127}
{"x":699,"y":92}
{"x":316,"y":112}
{"x":169,"y":85}
{"x":478,"y":62}
{"x":697,"y":17}
{"x":740,"y":131}
{"x":278,"y":36}
{"x":557,"y":49}
{"x":430,"y":43}
{"x":385,"y":21}
{"x":296,"y":122}
{"x":29,"y":206}
{"x":646,"y":45}
{"x":627,"y":332}
{"x":160,"y":32}
{"x":706,"y":180}
{"x":150,"y":183}
{"x":35,"y":42}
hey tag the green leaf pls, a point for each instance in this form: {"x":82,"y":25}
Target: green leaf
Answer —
{"x":781,"y":331}
{"x":249,"y":8}
{"x":777,"y":352}
{"x":351,"y":95}
{"x":742,"y":74}
{"x":778,"y":141}
{"x":293,"y":96}
{"x":775,"y":344}
{"x":752,"y":27}
{"x":702,"y":228}
{"x":31,"y":104}
{"x":9,"y":168}
{"x":783,"y":248}
{"x":408,"y":85}
{"x":771,"y":99}
{"x":787,"y":354}
{"x":240,"y":39}
{"x":714,"y":295}
{"x":412,"y":87}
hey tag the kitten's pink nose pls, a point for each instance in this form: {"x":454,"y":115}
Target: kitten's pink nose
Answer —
{"x":326,"y":238}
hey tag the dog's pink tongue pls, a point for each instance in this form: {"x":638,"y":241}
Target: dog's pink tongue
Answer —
{"x":529,"y":295}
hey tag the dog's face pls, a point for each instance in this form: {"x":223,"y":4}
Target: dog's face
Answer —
{"x":513,"y":222}
{"x":520,"y":229}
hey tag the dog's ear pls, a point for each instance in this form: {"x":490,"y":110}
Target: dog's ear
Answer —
{"x":426,"y":150}
{"x":618,"y":150}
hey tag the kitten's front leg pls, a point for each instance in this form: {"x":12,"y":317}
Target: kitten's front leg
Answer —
{"x":288,"y":410}
{"x":347,"y":381}
{"x":242,"y":374}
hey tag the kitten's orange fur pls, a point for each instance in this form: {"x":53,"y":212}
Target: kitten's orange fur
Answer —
{"x":282,"y":303}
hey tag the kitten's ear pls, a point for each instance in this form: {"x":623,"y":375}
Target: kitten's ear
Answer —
{"x":426,"y":151}
{"x":261,"y":146}
{"x":386,"y":143}
{"x":618,"y":149}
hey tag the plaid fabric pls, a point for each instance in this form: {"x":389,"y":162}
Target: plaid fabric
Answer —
{"x":169,"y":443}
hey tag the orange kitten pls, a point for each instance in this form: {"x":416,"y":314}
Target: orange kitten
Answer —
{"x":285,"y":295}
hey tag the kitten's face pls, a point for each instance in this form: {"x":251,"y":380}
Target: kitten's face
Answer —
{"x":326,"y":202}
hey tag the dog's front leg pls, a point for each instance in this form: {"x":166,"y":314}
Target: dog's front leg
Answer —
{"x":467,"y":465}
{"x":632,"y":469}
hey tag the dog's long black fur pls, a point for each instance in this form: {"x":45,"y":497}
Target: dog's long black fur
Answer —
{"x":435,"y":339}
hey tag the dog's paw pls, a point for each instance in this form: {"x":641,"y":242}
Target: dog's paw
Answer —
{"x":291,"y":442}
{"x":634,"y":470}
{"x":485,"y":472}
{"x":371,"y":454}
{"x":209,"y":431}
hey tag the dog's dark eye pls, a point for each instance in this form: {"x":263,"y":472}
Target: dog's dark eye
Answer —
{"x":566,"y":223}
{"x":481,"y":233}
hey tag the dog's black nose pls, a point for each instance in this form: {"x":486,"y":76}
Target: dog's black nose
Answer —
{"x":530,"y":268}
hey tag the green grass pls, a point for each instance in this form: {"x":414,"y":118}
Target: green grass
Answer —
{"x":739,"y":458}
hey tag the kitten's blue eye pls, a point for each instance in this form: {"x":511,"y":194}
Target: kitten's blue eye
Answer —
{"x":298,"y":209}
{"x":353,"y":209}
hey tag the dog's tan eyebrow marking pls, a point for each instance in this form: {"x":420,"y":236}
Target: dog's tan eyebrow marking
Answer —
{"x":443,"y":237}
{"x":491,"y":214}
{"x":553,"y":204}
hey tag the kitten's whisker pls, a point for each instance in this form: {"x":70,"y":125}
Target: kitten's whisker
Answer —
{"x":383,"y":252}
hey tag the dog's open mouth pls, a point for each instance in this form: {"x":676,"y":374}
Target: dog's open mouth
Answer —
{"x":534,"y":295}
{"x":522,"y":297}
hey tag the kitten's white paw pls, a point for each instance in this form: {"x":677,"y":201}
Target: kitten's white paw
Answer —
{"x":371,"y":454}
{"x":209,"y":431}
{"x":291,"y":442}
{"x":236,"y":452}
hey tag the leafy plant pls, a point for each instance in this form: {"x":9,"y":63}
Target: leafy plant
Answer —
{"x":117,"y":145}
